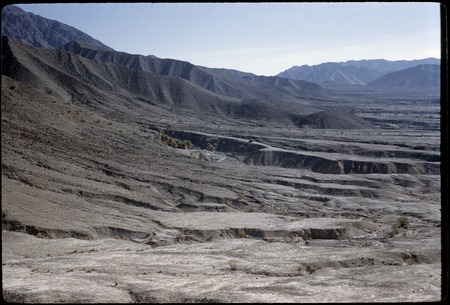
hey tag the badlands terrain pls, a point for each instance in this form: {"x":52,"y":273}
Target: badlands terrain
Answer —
{"x":96,"y":208}
{"x":134,"y":179}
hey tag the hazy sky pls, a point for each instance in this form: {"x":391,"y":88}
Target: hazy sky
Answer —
{"x":262,"y":38}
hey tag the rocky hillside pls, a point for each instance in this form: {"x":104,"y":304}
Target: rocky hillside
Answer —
{"x":93,"y":80}
{"x":225,"y":82}
{"x":41,"y":32}
{"x":44,"y":33}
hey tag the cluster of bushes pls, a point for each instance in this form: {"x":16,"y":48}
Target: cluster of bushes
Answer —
{"x":402,"y":223}
{"x":173,"y":142}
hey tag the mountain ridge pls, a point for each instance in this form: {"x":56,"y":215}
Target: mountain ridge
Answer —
{"x":46,"y":33}
{"x":354,"y":72}
{"x":30,"y":29}
{"x":298,"y":81}
{"x":225,"y":82}
{"x":387,"y":66}
{"x":114,"y":87}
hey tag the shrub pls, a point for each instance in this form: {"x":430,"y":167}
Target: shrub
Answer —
{"x":173,"y":142}
{"x":403,"y":222}
{"x":213,"y":143}
{"x":279,"y":212}
{"x":180,"y":236}
{"x":394,"y":230}
{"x":241,"y":195}
{"x":233,"y":264}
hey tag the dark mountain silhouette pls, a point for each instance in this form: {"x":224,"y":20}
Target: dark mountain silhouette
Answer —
{"x":41,"y":32}
{"x":354,"y":72}
{"x":420,"y":76}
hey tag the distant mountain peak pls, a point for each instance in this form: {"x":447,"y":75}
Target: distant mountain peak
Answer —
{"x":420,"y":77}
{"x":354,"y":72}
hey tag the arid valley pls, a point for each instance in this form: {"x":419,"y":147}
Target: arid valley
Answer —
{"x":193,"y":184}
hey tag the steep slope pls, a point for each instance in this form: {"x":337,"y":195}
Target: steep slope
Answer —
{"x":41,"y":32}
{"x":93,"y":74}
{"x":225,"y":82}
{"x":117,"y":88}
{"x":68,"y":75}
{"x":420,"y":76}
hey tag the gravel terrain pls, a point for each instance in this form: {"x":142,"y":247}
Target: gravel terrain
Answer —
{"x":96,"y":208}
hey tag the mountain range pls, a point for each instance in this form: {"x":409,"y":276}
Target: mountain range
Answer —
{"x":93,"y":82}
{"x":296,"y":82}
{"x":90,"y":74}
{"x":357,"y":72}
{"x":225,"y":82}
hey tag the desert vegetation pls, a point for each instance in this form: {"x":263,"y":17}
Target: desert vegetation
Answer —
{"x":173,"y":142}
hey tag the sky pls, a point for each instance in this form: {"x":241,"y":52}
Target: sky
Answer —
{"x":261,"y":38}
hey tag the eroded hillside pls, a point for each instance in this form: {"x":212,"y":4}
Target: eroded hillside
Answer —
{"x":261,"y":208}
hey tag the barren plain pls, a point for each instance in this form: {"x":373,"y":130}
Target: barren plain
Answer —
{"x":96,"y":208}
